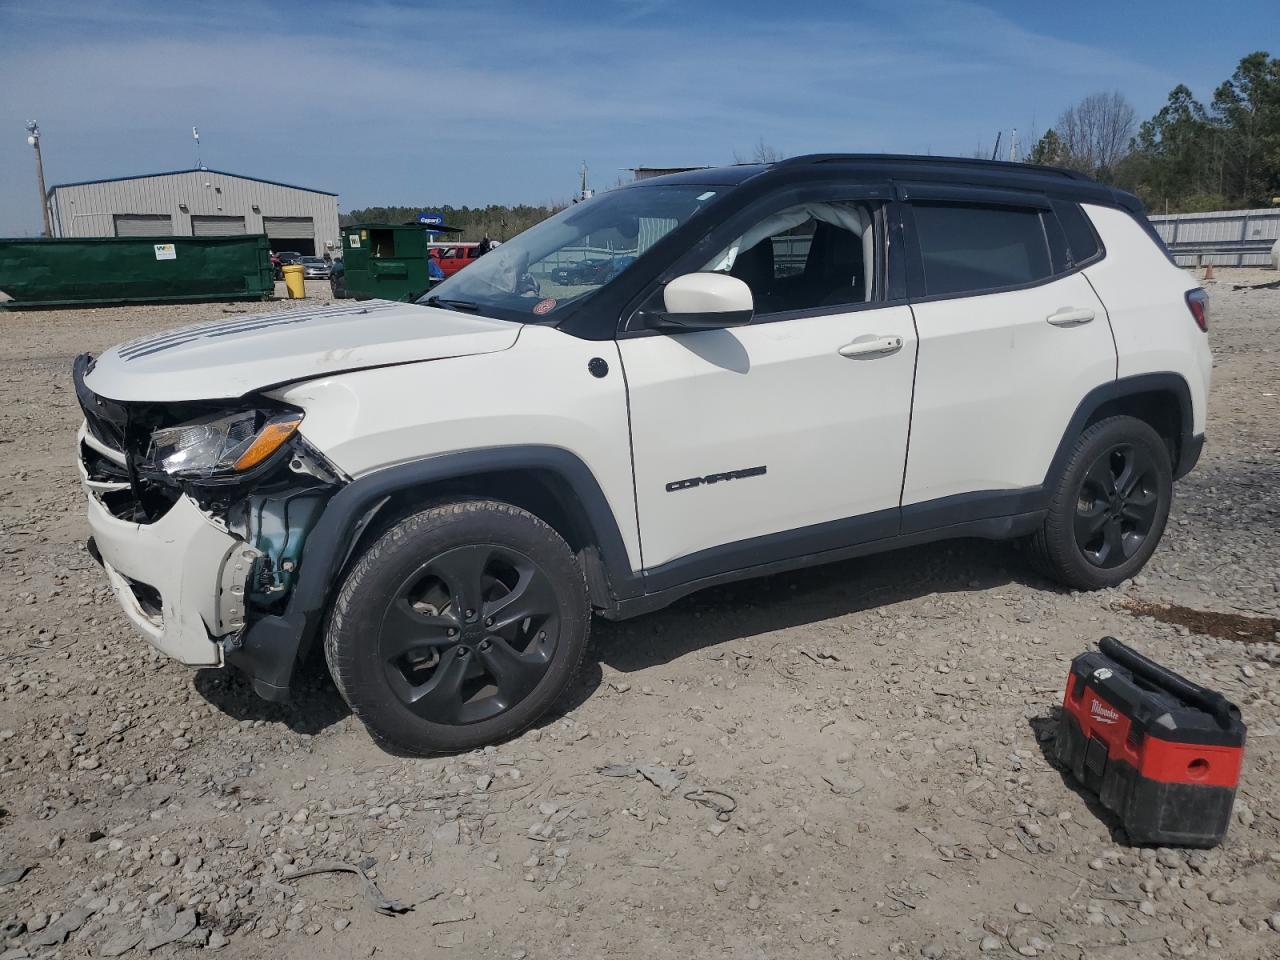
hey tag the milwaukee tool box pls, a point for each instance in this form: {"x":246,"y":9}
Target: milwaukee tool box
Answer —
{"x":1160,"y":752}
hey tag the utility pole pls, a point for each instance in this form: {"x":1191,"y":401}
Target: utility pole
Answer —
{"x":33,"y":138}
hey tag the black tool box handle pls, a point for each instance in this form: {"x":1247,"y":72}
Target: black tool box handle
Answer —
{"x":1212,"y":702}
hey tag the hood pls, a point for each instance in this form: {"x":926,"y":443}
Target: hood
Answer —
{"x":229,"y":358}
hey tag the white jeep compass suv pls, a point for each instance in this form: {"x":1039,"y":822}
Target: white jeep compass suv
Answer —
{"x":764,"y":367}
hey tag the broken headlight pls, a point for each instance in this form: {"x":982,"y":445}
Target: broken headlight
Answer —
{"x":221,"y":444}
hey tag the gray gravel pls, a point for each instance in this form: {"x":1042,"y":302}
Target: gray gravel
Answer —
{"x":882,"y":725}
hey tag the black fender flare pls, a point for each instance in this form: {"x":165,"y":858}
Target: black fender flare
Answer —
{"x":1189,"y":444}
{"x":270,"y":646}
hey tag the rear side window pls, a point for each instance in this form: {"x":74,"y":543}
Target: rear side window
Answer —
{"x":1082,"y":242}
{"x":968,"y":248}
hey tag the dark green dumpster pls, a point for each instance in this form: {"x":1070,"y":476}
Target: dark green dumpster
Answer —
{"x":385,"y":260}
{"x":46,"y":273}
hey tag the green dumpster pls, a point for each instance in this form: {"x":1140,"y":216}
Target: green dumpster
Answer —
{"x":88,"y":270}
{"x":385,"y":260}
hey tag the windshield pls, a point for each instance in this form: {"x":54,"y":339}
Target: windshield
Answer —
{"x":568,"y":257}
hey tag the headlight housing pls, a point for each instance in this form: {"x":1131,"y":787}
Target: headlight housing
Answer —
{"x":221,"y":444}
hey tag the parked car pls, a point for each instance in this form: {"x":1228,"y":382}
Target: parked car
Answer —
{"x":314,"y":268}
{"x":963,"y":349}
{"x":338,"y":279}
{"x":590,"y":271}
{"x":455,"y":256}
{"x":284,"y":258}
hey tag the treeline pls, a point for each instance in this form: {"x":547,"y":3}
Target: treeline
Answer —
{"x":495,"y":221}
{"x":1191,"y":156}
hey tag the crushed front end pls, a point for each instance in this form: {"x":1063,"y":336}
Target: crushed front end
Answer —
{"x":199,"y":512}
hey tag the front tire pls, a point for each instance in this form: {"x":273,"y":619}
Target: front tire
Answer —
{"x":1109,"y":508}
{"x":459,"y":627}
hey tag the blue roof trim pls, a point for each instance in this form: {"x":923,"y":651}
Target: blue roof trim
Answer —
{"x":170,"y":173}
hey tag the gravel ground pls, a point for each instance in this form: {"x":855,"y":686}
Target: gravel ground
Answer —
{"x":882,"y":726}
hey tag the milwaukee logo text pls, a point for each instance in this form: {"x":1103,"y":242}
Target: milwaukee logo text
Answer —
{"x":1102,"y":713}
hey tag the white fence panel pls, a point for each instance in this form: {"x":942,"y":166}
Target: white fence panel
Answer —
{"x":1227,"y":238}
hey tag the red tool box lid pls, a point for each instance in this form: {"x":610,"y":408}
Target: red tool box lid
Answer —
{"x":1157,"y":701}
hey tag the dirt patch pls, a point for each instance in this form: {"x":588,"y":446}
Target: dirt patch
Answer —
{"x":1209,"y":623}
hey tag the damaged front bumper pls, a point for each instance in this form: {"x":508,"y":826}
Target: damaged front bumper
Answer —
{"x":182,"y":580}
{"x":196,"y":565}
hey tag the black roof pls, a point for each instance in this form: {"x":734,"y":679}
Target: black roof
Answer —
{"x":909,"y":162}
{"x":1056,"y":181}
{"x":170,"y":173}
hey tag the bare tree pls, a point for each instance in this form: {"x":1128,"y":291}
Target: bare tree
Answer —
{"x":761,"y":153}
{"x":1096,"y":132}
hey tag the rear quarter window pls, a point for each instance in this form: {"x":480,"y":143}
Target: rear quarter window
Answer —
{"x":968,"y":248}
{"x":1082,"y":242}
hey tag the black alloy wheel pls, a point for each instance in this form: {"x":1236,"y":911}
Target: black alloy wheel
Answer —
{"x":469,"y":634}
{"x":1118,"y":505}
{"x":1107,"y":507}
{"x":458,"y":626}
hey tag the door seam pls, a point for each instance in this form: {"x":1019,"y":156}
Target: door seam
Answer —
{"x":911,"y":415}
{"x":631,"y":449}
{"x":1115,"y":347}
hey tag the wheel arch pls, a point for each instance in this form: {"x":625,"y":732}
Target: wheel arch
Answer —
{"x":543,"y":491}
{"x":1162,"y":400}
{"x":550,"y":482}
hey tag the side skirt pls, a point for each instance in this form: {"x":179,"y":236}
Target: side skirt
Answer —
{"x":989,"y":528}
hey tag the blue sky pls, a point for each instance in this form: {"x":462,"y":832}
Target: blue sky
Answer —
{"x":480,"y":101}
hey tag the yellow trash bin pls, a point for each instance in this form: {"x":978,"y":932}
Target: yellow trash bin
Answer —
{"x":293,"y":281}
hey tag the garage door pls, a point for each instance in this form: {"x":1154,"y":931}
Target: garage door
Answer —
{"x":143,"y":225}
{"x":289,"y":228}
{"x":211,"y":226}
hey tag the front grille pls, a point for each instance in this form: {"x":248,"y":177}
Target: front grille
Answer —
{"x":109,"y":478}
{"x":101,"y":468}
{"x":105,"y":418}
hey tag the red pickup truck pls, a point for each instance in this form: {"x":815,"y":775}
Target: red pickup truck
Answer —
{"x":455,"y":256}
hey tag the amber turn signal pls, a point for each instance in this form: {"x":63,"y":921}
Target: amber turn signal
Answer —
{"x":268,"y":441}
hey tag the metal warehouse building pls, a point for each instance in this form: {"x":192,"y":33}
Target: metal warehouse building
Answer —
{"x":199,"y":203}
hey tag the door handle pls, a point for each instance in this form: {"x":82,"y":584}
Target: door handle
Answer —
{"x":871,"y":346}
{"x":1070,"y":316}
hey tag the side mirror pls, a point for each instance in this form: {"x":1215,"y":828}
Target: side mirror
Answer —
{"x":703,"y":301}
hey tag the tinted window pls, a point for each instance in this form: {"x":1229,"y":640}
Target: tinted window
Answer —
{"x":967,"y":248}
{"x":805,"y":257}
{"x":536,"y":276}
{"x":1082,"y":242}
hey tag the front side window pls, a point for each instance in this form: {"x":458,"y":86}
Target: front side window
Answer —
{"x":567,"y":258}
{"x":805,"y":257}
{"x":970,"y":248}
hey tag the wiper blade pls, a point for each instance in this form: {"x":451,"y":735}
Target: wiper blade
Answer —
{"x":452,"y":304}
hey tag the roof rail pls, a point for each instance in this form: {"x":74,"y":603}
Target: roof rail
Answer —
{"x":900,"y":159}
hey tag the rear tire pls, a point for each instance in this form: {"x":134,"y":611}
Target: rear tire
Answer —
{"x":459,"y":627}
{"x":1109,"y":507}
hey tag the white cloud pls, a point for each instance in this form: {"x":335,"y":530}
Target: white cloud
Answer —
{"x":494,"y":101}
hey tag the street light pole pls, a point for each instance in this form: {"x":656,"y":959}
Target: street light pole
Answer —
{"x":33,"y":138}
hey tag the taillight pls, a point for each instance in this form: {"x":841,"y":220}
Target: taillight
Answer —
{"x":1198,"y":304}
